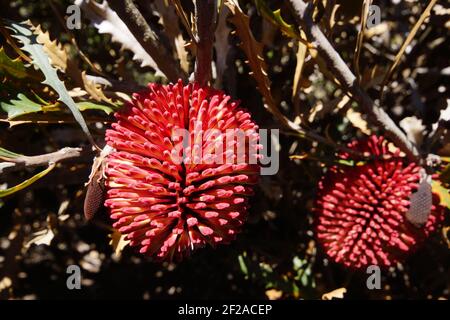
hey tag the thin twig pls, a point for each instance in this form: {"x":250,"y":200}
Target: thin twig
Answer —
{"x":303,"y":13}
{"x":21,"y":162}
{"x":183,"y":17}
{"x":360,"y":39}
{"x":408,"y":40}
{"x":301,"y":56}
{"x":129,"y":13}
{"x":205,"y":20}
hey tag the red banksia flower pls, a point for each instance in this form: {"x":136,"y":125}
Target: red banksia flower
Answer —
{"x":168,"y":207}
{"x":361,"y":210}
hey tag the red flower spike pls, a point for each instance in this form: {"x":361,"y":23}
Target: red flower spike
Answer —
{"x":360,"y":211}
{"x":168,"y":208}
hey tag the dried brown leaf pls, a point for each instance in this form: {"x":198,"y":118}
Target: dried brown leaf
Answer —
{"x":5,"y":283}
{"x":301,"y":55}
{"x":254,"y":52}
{"x":335,"y":294}
{"x":445,"y":231}
{"x":169,"y":19}
{"x":182,"y":53}
{"x":360,"y":39}
{"x":357,"y":120}
{"x":414,"y":129}
{"x":323,"y":108}
{"x":94,"y":90}
{"x":372,"y":76}
{"x":183,"y":17}
{"x":118,"y":242}
{"x":55,"y":51}
{"x":41,"y":237}
{"x":46,"y":235}
{"x":274,"y":294}
{"x":334,"y":10}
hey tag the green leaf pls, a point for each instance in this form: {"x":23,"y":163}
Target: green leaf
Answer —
{"x":41,"y":60}
{"x":20,"y":106}
{"x":86,"y":105}
{"x":26,"y":183}
{"x":39,"y":99}
{"x":344,"y":162}
{"x":243,"y":266}
{"x":276,"y":19}
{"x":444,"y":193}
{"x":13,"y":67}
{"x":304,"y":272}
{"x":8,"y":154}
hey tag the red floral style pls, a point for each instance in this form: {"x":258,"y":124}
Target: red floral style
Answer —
{"x":360,"y":210}
{"x":168,"y":208}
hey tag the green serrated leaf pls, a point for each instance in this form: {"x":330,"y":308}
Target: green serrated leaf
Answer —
{"x":26,"y":183}
{"x":276,"y":19}
{"x":13,"y":67}
{"x":8,"y":154}
{"x":20,"y":106}
{"x":444,"y":193}
{"x":86,"y":105}
{"x":41,"y":60}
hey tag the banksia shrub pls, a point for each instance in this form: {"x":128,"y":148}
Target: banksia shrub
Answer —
{"x":361,"y":210}
{"x":171,"y":193}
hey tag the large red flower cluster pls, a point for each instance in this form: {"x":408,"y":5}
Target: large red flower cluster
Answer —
{"x":168,"y":207}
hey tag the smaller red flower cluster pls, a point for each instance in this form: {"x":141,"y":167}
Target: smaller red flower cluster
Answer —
{"x":361,"y":210}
